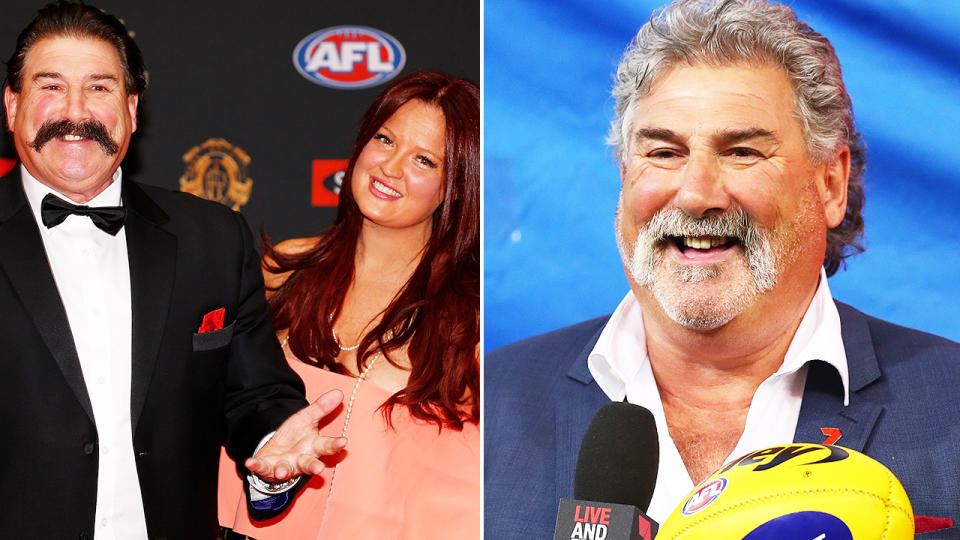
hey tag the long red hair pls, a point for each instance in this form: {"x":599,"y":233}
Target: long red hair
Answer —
{"x":437,"y":311}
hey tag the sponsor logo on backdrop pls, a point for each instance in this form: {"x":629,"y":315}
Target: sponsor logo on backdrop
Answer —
{"x":7,"y":165}
{"x":217,"y":171}
{"x":327,"y":179}
{"x":349,"y":57}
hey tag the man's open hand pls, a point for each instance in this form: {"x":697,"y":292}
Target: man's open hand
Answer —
{"x":296,"y":446}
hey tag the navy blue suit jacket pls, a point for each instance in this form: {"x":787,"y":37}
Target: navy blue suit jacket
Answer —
{"x":904,"y":412}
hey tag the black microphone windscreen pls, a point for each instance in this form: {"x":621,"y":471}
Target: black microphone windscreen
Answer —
{"x":619,"y":457}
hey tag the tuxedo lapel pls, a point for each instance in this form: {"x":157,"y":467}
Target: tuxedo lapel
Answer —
{"x":29,"y":273}
{"x":575,"y":408}
{"x":152,"y":253}
{"x":822,"y":405}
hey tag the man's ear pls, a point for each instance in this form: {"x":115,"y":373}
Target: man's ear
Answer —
{"x":832,"y":187}
{"x":10,"y":99}
{"x":132,"y":103}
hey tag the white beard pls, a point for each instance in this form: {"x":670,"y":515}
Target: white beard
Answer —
{"x":686,"y":293}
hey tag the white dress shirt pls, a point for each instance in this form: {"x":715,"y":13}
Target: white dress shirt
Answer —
{"x":620,"y":365}
{"x":92,"y":274}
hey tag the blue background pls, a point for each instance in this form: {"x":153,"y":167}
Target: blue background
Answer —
{"x":551,"y":184}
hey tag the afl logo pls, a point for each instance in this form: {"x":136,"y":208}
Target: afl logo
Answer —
{"x":702,"y":497}
{"x":349,"y":57}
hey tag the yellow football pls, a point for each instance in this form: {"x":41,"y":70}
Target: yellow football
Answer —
{"x":795,"y":492}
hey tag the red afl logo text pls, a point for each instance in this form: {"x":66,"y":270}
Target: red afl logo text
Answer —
{"x":704,"y":496}
{"x":349,"y":57}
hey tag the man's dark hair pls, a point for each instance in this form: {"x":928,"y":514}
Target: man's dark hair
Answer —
{"x":76,"y":19}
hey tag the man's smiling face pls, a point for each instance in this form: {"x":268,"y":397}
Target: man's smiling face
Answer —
{"x":72,"y":119}
{"x":720,"y":199}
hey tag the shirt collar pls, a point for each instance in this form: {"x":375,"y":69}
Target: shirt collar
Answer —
{"x":36,"y":191}
{"x":819,"y":338}
{"x":621,"y":351}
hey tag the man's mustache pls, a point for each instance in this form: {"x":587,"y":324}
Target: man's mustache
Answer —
{"x":673,"y":223}
{"x":88,"y":129}
{"x":669,"y":225}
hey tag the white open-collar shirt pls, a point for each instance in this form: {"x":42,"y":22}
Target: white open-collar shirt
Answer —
{"x":621,"y":367}
{"x":92,"y":273}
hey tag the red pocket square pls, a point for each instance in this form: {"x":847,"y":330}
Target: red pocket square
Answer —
{"x":212,"y":321}
{"x":927,"y":524}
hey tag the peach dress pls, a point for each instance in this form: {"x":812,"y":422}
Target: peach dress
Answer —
{"x":406,"y":483}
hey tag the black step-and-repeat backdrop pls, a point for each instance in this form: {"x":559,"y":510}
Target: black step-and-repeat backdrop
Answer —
{"x":255,"y":104}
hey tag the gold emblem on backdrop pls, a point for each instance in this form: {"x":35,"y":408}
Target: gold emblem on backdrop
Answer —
{"x":217,"y":171}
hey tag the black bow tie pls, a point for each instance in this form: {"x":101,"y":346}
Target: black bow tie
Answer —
{"x":54,"y":210}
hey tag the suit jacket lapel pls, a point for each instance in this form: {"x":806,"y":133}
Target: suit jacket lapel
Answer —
{"x":576,"y":404}
{"x":822,"y":405}
{"x":152,"y":253}
{"x":29,"y":273}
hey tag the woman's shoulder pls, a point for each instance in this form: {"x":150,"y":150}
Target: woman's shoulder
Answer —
{"x":294,"y":246}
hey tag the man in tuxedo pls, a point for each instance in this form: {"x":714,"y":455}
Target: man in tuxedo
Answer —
{"x":741,"y":192}
{"x":136,"y":335}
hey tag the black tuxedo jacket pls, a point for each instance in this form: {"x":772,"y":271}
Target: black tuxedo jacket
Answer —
{"x":190,"y":392}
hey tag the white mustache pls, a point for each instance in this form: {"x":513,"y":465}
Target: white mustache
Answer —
{"x":675,"y":223}
{"x":668,"y":223}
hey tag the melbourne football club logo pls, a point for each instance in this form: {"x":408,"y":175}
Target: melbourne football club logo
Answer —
{"x":349,"y":57}
{"x":704,"y":496}
{"x":217,"y":171}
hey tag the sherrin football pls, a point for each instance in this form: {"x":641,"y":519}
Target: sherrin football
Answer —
{"x":795,"y":492}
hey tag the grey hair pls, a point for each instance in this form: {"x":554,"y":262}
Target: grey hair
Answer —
{"x":758,"y":32}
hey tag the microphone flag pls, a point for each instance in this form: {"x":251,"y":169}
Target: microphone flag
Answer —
{"x":592,"y":520}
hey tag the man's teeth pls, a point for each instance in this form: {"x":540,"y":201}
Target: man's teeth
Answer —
{"x":703,"y":242}
{"x":383,"y":188}
{"x":72,"y":138}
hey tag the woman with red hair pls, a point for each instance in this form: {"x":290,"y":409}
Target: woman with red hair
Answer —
{"x":384,"y":306}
